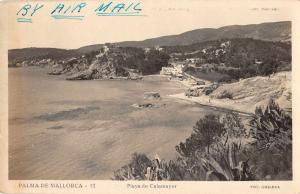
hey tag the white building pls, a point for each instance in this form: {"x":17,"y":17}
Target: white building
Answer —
{"x":174,"y":70}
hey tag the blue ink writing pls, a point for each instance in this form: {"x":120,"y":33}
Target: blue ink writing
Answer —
{"x":103,"y":7}
{"x":36,"y":8}
{"x":26,"y":8}
{"x":62,"y":11}
{"x":136,"y":7}
{"x":28,"y":11}
{"x":75,"y":11}
{"x":58,"y":8}
{"x":119,"y":9}
{"x":79,"y":7}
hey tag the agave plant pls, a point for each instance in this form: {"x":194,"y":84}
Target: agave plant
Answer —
{"x":142,"y":168}
{"x":135,"y":170}
{"x":227,"y":167}
{"x":272,"y":128}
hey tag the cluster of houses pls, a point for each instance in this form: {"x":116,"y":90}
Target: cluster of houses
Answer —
{"x":199,"y":90}
{"x":175,"y":69}
{"x":35,"y":62}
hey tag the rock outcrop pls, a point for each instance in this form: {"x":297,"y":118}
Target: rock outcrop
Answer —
{"x":151,"y":95}
{"x":106,"y":64}
{"x":257,"y":91}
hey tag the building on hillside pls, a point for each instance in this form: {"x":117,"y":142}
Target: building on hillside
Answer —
{"x":173,"y":71}
{"x":158,"y":48}
{"x":194,"y":60}
{"x":258,"y":61}
{"x":176,"y":69}
{"x":147,"y":50}
{"x":225,"y":44}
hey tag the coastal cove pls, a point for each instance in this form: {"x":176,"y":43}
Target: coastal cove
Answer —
{"x":87,"y":126}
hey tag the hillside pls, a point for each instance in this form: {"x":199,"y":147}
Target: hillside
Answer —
{"x":226,"y":60}
{"x":238,"y":58}
{"x":254,"y":92}
{"x":275,"y":31}
{"x":17,"y":55}
{"x":110,"y":63}
{"x":250,"y":93}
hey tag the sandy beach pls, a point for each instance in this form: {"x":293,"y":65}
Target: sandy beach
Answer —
{"x":247,"y":94}
{"x":204,"y":100}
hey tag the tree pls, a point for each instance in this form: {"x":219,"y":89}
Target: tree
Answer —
{"x":135,"y":170}
{"x":234,"y":125}
{"x":206,"y":131}
{"x":154,"y":61}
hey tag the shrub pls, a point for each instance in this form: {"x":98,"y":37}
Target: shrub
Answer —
{"x":153,"y":62}
{"x":205,"y":133}
{"x":234,"y":125}
{"x":135,"y":170}
{"x":272,"y":128}
{"x":225,"y":94}
{"x":211,"y":152}
{"x":272,"y":131}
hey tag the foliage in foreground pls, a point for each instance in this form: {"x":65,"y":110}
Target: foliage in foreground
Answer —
{"x":222,"y":149}
{"x":272,"y":149}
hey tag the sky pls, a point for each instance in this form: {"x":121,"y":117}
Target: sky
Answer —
{"x":161,"y":18}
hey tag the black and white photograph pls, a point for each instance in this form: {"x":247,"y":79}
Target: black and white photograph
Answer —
{"x":149,"y":93}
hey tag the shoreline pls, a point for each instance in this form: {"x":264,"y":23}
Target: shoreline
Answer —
{"x":246,"y":100}
{"x":238,"y":105}
{"x":213,"y":103}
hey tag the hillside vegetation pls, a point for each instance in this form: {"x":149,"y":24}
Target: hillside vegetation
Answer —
{"x":19,"y":55}
{"x":226,"y":60}
{"x":112,"y":62}
{"x":242,"y":58}
{"x":275,"y":31}
{"x":247,"y":94}
{"x":256,"y":92}
{"x":222,"y":148}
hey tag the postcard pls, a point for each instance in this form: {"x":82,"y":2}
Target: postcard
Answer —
{"x":143,"y":96}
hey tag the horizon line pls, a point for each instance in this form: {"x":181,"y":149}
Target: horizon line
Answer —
{"x":102,"y":43}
